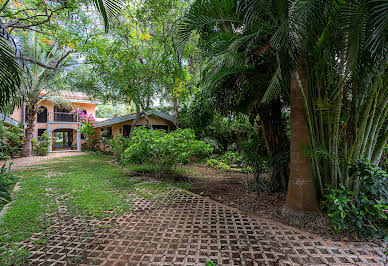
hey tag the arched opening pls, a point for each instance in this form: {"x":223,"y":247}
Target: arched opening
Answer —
{"x":42,"y":114}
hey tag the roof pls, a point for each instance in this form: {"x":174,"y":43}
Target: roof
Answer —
{"x":8,"y":120}
{"x":133,"y":116}
{"x":72,"y":96}
{"x":99,"y":119}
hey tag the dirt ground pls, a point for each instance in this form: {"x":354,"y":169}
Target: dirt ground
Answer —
{"x":230,"y":188}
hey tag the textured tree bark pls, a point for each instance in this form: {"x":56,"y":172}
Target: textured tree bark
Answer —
{"x":27,"y":146}
{"x":276,"y":142}
{"x":301,"y":195}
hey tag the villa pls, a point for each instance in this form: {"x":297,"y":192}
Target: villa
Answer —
{"x":63,"y":124}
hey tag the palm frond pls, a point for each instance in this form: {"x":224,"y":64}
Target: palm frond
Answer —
{"x":109,"y":9}
{"x":274,"y":88}
{"x":379,"y":26}
{"x":10,"y":69}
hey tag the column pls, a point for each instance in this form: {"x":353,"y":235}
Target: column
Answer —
{"x":50,"y":148}
{"x":78,"y":140}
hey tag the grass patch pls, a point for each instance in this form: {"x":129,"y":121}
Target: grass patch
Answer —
{"x":88,"y":185}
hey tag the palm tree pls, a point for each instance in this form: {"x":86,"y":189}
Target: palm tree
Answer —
{"x":331,"y":58}
{"x":11,"y":60}
{"x":38,"y":81}
{"x":238,"y":68}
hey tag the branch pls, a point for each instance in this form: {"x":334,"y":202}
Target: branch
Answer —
{"x":5,"y":4}
{"x":61,"y":59}
{"x":34,"y":61}
{"x":16,"y":23}
{"x":261,"y":50}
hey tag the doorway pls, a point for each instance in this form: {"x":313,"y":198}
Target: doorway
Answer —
{"x":62,"y":139}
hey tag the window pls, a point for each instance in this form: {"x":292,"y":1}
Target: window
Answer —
{"x":126,"y":130}
{"x":42,"y":114}
{"x":164,"y":127}
{"x":41,"y":131}
{"x":63,"y":114}
{"x":109,"y":132}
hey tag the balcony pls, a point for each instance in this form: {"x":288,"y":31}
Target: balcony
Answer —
{"x":63,"y":117}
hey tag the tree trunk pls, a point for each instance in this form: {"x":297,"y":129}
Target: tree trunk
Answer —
{"x":27,"y":146}
{"x":301,"y":195}
{"x":277,"y":145}
{"x":138,"y":114}
{"x":149,"y":125}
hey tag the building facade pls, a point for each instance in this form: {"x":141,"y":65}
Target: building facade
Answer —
{"x":121,"y":126}
{"x":61,"y":123}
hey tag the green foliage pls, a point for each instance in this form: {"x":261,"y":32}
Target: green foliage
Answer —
{"x":6,"y":179}
{"x":210,"y":263}
{"x":41,"y":145}
{"x":166,"y":150}
{"x":11,"y":140}
{"x":118,"y":146}
{"x":364,"y":211}
{"x":230,"y":161}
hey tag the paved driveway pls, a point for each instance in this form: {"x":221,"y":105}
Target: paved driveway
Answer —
{"x":24,"y":162}
{"x":180,"y":228}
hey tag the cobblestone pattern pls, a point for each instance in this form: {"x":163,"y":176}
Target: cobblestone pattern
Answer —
{"x":24,"y":162}
{"x":179,"y":228}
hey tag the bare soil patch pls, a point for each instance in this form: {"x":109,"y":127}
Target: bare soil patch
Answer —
{"x":230,"y":188}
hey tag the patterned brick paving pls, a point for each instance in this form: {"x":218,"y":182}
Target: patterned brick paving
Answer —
{"x":179,"y":228}
{"x":24,"y":162}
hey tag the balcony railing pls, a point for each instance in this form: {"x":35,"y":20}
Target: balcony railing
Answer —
{"x":63,"y":117}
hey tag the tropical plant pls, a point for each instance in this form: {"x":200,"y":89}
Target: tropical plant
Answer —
{"x":34,"y":15}
{"x":165,"y":150}
{"x":11,"y":140}
{"x":87,"y":129}
{"x":6,"y":179}
{"x":238,"y":67}
{"x":40,"y":83}
{"x":118,"y":146}
{"x":364,"y":210}
{"x":41,"y":145}
{"x":328,"y":56}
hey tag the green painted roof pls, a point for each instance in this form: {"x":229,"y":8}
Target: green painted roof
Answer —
{"x":133,"y":116}
{"x":8,"y":120}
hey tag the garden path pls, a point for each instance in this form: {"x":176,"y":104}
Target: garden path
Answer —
{"x":23,"y":162}
{"x":181,"y":228}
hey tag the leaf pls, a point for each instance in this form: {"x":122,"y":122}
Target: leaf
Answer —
{"x":109,"y":10}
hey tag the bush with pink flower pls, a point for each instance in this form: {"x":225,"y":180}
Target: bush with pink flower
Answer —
{"x":87,"y":128}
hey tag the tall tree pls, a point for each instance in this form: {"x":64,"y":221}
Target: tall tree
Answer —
{"x":39,"y":16}
{"x":39,"y":81}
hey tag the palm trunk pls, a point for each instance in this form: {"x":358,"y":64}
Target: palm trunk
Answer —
{"x":27,"y":146}
{"x":301,"y":195}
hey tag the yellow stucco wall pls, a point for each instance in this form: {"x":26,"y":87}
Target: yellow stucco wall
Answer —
{"x":153,"y":120}
{"x":90,"y":108}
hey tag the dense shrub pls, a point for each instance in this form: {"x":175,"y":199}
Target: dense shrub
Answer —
{"x":364,"y":210}
{"x":118,"y":146}
{"x":6,"y":179}
{"x":11,"y":140}
{"x":165,"y":150}
{"x":41,"y":146}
